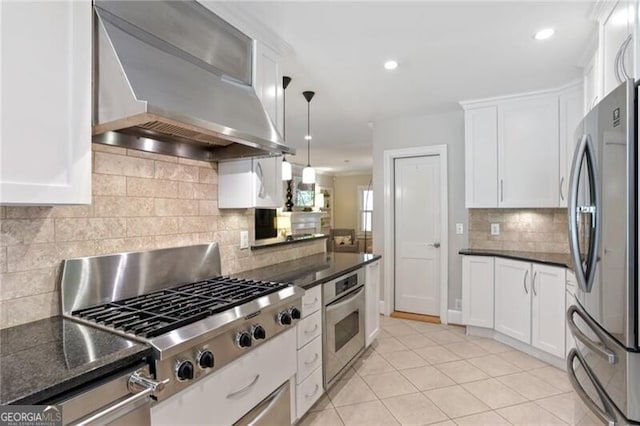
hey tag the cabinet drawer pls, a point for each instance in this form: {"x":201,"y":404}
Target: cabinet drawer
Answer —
{"x":308,"y":392}
{"x":311,"y":301}
{"x":309,"y":328}
{"x":235,"y":389}
{"x":309,"y":358}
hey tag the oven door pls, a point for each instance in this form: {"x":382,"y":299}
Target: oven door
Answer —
{"x":344,"y":332}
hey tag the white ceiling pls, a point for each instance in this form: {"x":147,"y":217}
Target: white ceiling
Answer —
{"x":447,"y":51}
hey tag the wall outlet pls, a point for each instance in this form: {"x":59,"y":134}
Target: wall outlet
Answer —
{"x":244,"y":239}
{"x":458,"y":304}
{"x":495,"y":229}
{"x":459,"y":228}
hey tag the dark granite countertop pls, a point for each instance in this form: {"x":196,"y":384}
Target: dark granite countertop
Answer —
{"x":555,"y":259}
{"x":41,"y":360}
{"x":310,"y":271}
{"x":281,"y":241}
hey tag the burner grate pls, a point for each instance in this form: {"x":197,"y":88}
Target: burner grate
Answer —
{"x":159,"y":312}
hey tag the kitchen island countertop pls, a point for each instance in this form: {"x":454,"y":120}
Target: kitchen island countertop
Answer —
{"x":310,"y":271}
{"x":554,"y":259}
{"x":41,"y":360}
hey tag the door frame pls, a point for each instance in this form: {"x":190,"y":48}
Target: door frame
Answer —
{"x":389,"y":157}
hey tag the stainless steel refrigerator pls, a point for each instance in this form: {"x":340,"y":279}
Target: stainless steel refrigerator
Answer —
{"x":604,"y":368}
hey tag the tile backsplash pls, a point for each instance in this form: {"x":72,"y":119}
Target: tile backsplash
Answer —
{"x":533,"y":230}
{"x":140,"y":201}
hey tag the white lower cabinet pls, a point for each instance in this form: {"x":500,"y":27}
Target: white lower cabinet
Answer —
{"x":477,"y":291}
{"x":570,"y":294}
{"x":372,"y":291}
{"x":224,"y":397}
{"x":512,"y":298}
{"x":309,"y":385}
{"x":548,"y":308}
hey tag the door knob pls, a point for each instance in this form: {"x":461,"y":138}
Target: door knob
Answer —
{"x":434,"y":245}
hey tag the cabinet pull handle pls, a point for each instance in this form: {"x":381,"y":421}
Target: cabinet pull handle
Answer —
{"x":623,"y":49}
{"x":315,"y":300}
{"x":501,"y":190}
{"x":315,"y":358}
{"x":616,"y":65}
{"x":524,"y":281}
{"x":533,"y":284}
{"x":244,"y":389}
{"x":561,"y":185}
{"x":315,"y":391}
{"x":312,"y":330}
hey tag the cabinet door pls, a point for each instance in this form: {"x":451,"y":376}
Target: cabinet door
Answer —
{"x":571,"y":112}
{"x":477,"y":291}
{"x":481,"y":162}
{"x":528,"y":152}
{"x":236,"y":184}
{"x":372,"y":291}
{"x":46,"y":102}
{"x":548,"y":309}
{"x":268,"y":83}
{"x":268,"y":182}
{"x":616,"y":27}
{"x":513,"y":299}
{"x":591,"y":77}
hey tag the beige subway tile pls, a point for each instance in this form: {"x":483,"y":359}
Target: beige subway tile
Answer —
{"x":208,"y":208}
{"x":155,"y":188}
{"x":140,"y":206}
{"x":197,"y":163}
{"x":26,"y":231}
{"x":208,"y":175}
{"x":495,"y":217}
{"x":3,"y":315}
{"x":208,"y":237}
{"x":28,"y":283}
{"x":69,"y":250}
{"x":3,"y":260}
{"x":76,"y":229}
{"x":179,"y":172}
{"x":85,"y":210}
{"x":552,"y":247}
{"x":31,"y":212}
{"x":98,"y":147}
{"x":197,"y":191}
{"x":32,"y":256}
{"x":109,"y":206}
{"x":519,"y":246}
{"x":151,"y":156}
{"x":487,"y":245}
{"x":177,"y":240}
{"x":109,"y":185}
{"x":3,"y":212}
{"x":227,"y":237}
{"x":189,"y":224}
{"x":175,"y":207}
{"x":229,"y":222}
{"x":32,"y":308}
{"x":121,"y":245}
{"x":143,"y":226}
{"x":511,"y":216}
{"x":110,"y":164}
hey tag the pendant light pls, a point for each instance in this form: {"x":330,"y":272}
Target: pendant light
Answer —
{"x":286,"y":166}
{"x":308,"y":173}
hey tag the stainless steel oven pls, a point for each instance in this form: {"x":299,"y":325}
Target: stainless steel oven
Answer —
{"x":344,"y":313}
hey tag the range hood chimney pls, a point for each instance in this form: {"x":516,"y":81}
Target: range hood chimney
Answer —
{"x":172,"y":77}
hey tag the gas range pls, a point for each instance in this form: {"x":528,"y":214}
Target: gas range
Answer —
{"x":176,"y":301}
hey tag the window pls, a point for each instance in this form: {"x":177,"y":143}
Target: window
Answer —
{"x":365,"y":216}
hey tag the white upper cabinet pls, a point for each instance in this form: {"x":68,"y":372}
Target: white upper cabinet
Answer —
{"x":481,"y":162}
{"x":514,"y":152}
{"x":528,"y":152}
{"x":616,"y":45}
{"x":250,"y":182}
{"x":46,"y":102}
{"x":268,"y":83}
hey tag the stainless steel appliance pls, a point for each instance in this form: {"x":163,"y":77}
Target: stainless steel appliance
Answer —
{"x":344,"y":313}
{"x":176,"y":301}
{"x":162,"y":85}
{"x":605,"y":366}
{"x":274,"y":410}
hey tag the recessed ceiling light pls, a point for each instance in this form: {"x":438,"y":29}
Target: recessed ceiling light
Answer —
{"x":391,"y":65}
{"x":544,"y":34}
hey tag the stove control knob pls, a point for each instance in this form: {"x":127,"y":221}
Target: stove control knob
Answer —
{"x":205,"y":359}
{"x":295,"y":313}
{"x":258,"y":332}
{"x":243,"y":339}
{"x":284,"y":318}
{"x":184,"y":370}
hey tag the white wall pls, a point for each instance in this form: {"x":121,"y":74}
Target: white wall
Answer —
{"x":409,"y":132}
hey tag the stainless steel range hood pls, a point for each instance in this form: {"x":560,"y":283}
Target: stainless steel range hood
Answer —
{"x":174,"y":78}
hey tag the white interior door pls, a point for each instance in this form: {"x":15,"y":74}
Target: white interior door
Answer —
{"x":417,"y":234}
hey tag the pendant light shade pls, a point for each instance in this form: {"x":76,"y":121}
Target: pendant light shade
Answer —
{"x":308,"y":173}
{"x":286,"y":166}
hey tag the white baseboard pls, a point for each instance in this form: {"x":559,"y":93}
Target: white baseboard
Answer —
{"x":454,"y":316}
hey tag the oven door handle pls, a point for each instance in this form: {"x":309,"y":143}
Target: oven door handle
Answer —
{"x":598,"y":348}
{"x":344,"y":301}
{"x":602,"y":415}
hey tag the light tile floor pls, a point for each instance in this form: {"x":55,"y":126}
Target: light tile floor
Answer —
{"x":417,"y":373}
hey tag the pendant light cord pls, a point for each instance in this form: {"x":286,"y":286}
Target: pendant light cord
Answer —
{"x":308,"y":134}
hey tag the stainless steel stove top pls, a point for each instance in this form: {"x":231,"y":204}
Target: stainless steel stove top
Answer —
{"x":168,"y":299}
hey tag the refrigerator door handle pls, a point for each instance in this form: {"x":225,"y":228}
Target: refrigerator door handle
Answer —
{"x":597,"y":347}
{"x":603,"y":415}
{"x":584,"y":270}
